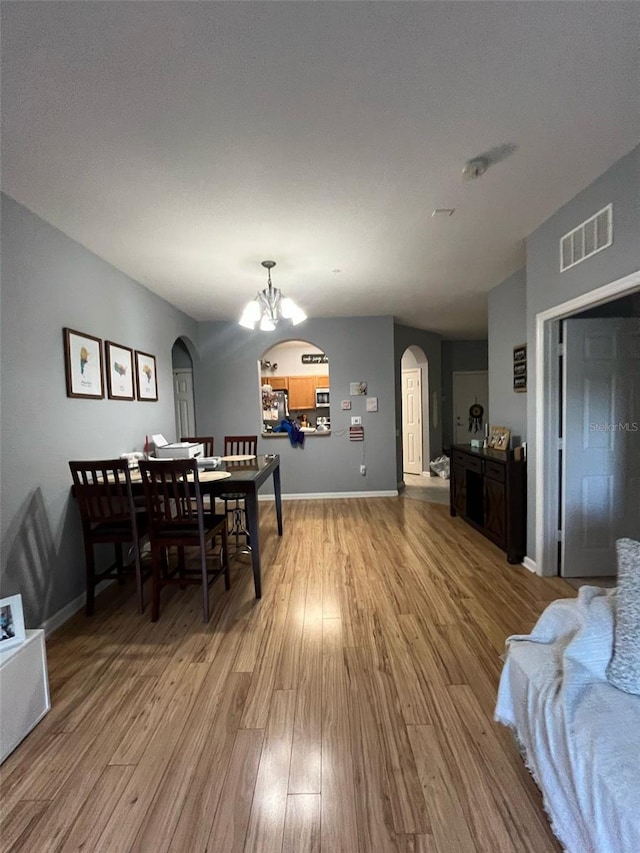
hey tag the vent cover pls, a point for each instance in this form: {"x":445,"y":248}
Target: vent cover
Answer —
{"x":592,"y":236}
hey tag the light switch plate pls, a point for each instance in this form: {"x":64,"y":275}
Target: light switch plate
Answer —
{"x":356,"y":420}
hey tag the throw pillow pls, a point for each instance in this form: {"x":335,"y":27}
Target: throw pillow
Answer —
{"x":624,"y":669}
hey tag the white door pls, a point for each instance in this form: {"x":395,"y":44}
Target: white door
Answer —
{"x":601,"y":456}
{"x":184,"y":402}
{"x":469,"y":387}
{"x":412,"y":421}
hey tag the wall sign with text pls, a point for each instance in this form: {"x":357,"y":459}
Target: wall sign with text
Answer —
{"x":520,"y":368}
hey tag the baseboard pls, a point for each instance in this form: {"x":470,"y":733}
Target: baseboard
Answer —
{"x":54,"y":622}
{"x":321,"y":496}
{"x":530,"y":564}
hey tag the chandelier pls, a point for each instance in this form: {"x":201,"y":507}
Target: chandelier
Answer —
{"x":270,"y":306}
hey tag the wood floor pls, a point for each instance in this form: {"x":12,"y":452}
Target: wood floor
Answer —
{"x":349,"y":710}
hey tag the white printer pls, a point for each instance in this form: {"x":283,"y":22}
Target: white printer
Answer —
{"x":177,"y":450}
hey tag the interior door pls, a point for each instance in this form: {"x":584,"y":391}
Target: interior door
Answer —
{"x":411,"y":421}
{"x":601,"y":459}
{"x":469,"y":387}
{"x":184,"y":402}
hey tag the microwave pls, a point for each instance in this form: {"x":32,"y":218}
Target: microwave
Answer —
{"x":322,"y":398}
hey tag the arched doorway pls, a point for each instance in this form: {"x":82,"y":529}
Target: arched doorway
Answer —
{"x":183,"y":391}
{"x":415,"y":411}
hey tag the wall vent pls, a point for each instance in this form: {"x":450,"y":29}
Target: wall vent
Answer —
{"x":592,"y":236}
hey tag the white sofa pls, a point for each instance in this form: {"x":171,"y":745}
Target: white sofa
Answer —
{"x":579,"y":735}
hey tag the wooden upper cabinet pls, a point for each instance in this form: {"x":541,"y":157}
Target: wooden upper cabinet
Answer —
{"x":302,"y":392}
{"x":278,"y":383}
{"x":322,"y":381}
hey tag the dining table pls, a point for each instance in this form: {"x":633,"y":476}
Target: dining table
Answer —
{"x":247,"y":475}
{"x":242,"y":475}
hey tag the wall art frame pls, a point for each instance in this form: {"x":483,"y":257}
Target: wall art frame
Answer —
{"x":146,"y":377}
{"x":119,"y":371}
{"x":520,"y":369}
{"x":83,"y":365}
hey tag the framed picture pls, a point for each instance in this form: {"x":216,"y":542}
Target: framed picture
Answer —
{"x":146,"y":379}
{"x":83,"y":364}
{"x":119,"y":371}
{"x":499,"y":437}
{"x":12,"y":630}
{"x":520,"y":368}
{"x":357,"y":389}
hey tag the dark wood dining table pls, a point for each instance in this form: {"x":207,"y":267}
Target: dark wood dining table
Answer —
{"x":246,"y":478}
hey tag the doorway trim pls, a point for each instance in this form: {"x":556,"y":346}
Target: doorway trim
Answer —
{"x":547,"y":476}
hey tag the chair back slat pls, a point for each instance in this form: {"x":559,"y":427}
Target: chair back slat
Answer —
{"x":172,"y":494}
{"x":103,"y":491}
{"x":240,"y":445}
{"x":205,"y":440}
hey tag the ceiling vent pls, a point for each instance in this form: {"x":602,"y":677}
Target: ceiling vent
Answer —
{"x":592,"y":236}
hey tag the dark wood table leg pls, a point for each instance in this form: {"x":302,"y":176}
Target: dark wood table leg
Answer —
{"x":278,"y":496}
{"x":251,"y":507}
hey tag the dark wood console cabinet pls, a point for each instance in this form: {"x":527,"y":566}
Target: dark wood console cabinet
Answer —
{"x":488,"y":488}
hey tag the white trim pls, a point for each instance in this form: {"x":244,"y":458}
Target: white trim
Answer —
{"x":530,"y":564}
{"x":312,"y":496}
{"x":546,"y":475}
{"x":54,"y":622}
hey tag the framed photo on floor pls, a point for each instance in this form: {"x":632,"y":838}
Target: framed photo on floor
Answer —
{"x":83,"y":364}
{"x":146,"y":378}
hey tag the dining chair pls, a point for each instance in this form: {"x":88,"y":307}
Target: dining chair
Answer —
{"x":109,"y":514}
{"x":234,"y":504}
{"x":206,"y":441}
{"x":177,"y":519}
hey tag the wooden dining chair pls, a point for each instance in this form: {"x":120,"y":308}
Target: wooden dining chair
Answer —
{"x":177,"y":519}
{"x":206,"y":441}
{"x":234,"y":505}
{"x":109,"y":514}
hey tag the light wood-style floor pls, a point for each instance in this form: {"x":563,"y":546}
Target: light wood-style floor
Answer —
{"x":349,"y":710}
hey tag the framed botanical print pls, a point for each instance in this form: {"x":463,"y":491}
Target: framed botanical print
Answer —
{"x":120,"y":381}
{"x":146,"y":379}
{"x":83,"y":364}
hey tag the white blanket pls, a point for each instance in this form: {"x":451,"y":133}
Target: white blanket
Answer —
{"x":580,"y":735}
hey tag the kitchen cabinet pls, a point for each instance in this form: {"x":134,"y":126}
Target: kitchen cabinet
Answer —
{"x":489,"y":490}
{"x":278,"y":383}
{"x":302,"y":392}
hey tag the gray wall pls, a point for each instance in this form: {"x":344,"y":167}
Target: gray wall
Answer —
{"x":358,"y":348}
{"x":547,"y":287}
{"x":431,"y":345}
{"x":459,"y":355}
{"x":507,"y":329}
{"x":48,"y":282}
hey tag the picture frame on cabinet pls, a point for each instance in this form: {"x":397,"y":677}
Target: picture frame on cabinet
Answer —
{"x":499,"y":437}
{"x":12,"y":630}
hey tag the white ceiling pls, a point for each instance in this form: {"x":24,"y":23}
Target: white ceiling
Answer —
{"x":186,"y":142}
